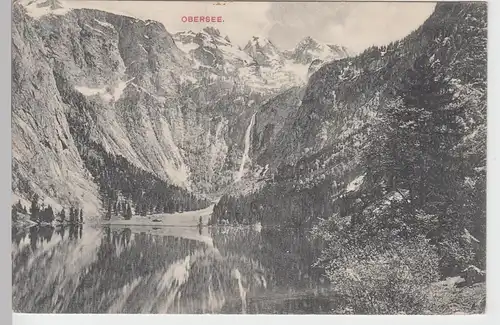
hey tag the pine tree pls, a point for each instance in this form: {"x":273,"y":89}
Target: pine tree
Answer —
{"x":71,"y":215}
{"x":108,"y":212}
{"x":128,"y":215}
{"x":35,"y":210}
{"x":62,"y":216}
{"x":19,"y":207}
{"x":14,"y":214}
{"x":48,"y":214}
{"x":423,"y":131}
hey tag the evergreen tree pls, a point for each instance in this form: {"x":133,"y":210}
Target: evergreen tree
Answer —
{"x":19,"y":207}
{"x":81,"y":215}
{"x":108,"y":211}
{"x":35,"y":209}
{"x":48,"y":214}
{"x":423,"y":131}
{"x":62,"y":216}
{"x":14,"y":214}
{"x":71,"y":215}
{"x":128,"y":215}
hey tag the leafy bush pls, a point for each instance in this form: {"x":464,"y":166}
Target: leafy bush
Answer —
{"x":385,"y":281}
{"x":456,"y":254}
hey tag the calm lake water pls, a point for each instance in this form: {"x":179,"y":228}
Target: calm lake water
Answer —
{"x":118,"y":269}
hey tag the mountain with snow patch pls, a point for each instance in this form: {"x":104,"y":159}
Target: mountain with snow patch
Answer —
{"x":260,"y":64}
{"x":308,"y":50}
{"x":264,"y":52}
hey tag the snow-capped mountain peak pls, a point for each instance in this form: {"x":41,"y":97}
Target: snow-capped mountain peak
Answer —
{"x":307,"y":41}
{"x":212,"y":31}
{"x":309,"y":49}
{"x":263,"y":51}
{"x":209,"y":37}
{"x":260,"y":42}
{"x":210,"y":49}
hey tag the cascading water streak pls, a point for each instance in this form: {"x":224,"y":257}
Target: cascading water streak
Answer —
{"x":246,"y":150}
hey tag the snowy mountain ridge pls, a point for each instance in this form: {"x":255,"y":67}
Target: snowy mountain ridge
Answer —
{"x":260,"y":64}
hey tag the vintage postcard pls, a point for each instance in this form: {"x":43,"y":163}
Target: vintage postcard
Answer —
{"x":248,"y":158}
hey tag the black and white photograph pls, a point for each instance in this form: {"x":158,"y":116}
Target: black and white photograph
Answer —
{"x":198,"y":157}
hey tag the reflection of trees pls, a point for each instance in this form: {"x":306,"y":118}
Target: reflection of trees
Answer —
{"x":17,"y":235}
{"x":45,"y":233}
{"x":33,"y":231}
{"x":122,"y":259}
{"x":287,"y":254}
{"x":125,"y":235}
{"x":138,"y":272}
{"x":41,"y":275}
{"x":74,"y":231}
{"x":286,"y":257}
{"x":155,"y":274}
{"x":61,"y":231}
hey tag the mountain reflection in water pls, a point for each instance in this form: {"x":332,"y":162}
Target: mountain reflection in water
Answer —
{"x":120,"y":269}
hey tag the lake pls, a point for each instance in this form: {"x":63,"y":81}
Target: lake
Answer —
{"x":145,"y":269}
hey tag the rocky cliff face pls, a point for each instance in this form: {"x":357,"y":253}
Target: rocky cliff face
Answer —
{"x":176,"y":106}
{"x":45,"y":158}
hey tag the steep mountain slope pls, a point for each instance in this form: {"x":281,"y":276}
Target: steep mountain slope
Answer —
{"x":174,"y":106}
{"x":45,"y":158}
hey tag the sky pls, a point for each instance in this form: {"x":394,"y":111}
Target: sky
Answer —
{"x":356,"y":25}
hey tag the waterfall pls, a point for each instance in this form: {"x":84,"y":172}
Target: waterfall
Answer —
{"x":245,"y":157}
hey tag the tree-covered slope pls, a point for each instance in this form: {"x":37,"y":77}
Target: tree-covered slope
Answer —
{"x":388,"y":146}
